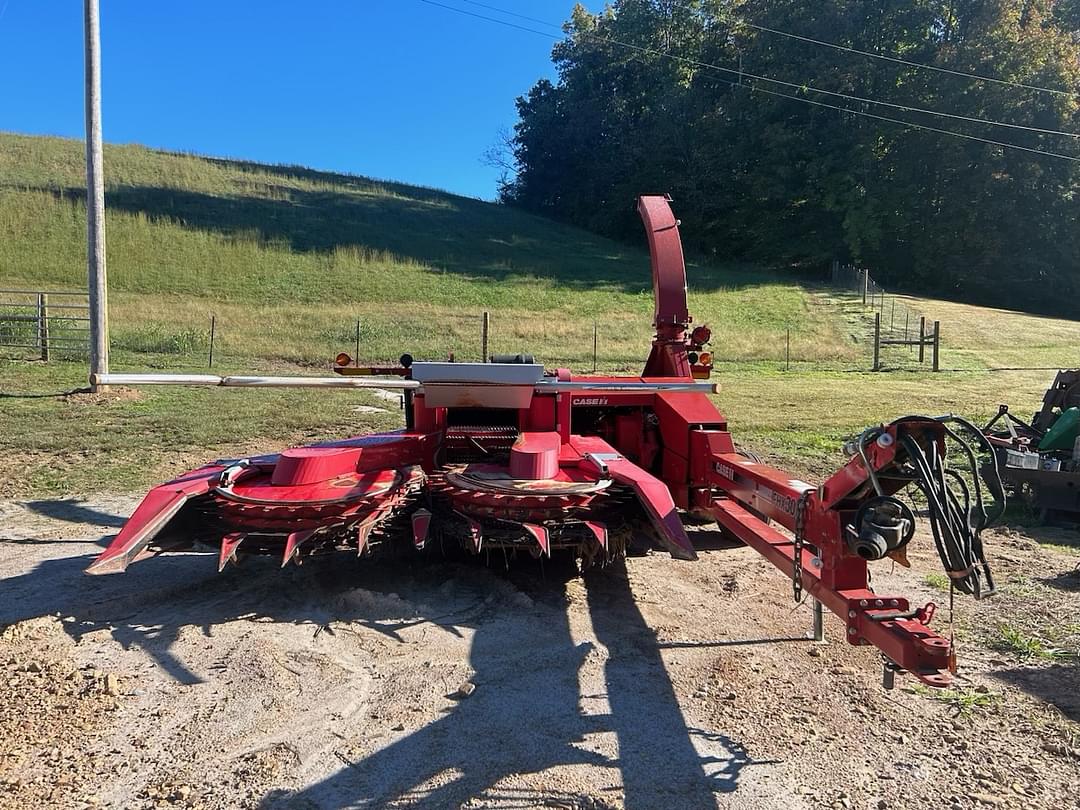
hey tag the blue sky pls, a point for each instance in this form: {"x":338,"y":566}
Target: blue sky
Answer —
{"x":395,"y":89}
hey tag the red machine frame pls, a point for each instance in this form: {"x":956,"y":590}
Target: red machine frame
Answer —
{"x":657,"y":436}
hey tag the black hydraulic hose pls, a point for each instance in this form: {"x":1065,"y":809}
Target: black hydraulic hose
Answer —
{"x":956,"y":534}
{"x":992,"y":480}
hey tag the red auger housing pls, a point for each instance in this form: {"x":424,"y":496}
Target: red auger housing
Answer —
{"x":509,"y":457}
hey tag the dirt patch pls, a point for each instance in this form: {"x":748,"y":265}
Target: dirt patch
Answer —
{"x":663,"y":684}
{"x":52,"y":712}
{"x":116,"y":393}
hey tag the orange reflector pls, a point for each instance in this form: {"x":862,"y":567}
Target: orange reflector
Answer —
{"x":342,"y":359}
{"x":705,"y":358}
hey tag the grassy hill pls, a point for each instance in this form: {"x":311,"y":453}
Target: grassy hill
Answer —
{"x":289,"y":258}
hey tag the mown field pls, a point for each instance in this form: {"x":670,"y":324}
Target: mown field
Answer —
{"x":288,"y":259}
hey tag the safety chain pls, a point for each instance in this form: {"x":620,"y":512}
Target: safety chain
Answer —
{"x":800,"y":538}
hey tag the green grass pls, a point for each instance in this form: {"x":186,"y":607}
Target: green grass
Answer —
{"x":288,"y":259}
{"x":963,"y":702}
{"x":939,"y":582}
{"x":1024,"y":646}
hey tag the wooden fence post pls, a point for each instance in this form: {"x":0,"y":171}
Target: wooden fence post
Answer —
{"x":922,"y":338}
{"x":937,"y":344}
{"x":43,"y":324}
{"x":877,"y":341}
{"x":787,"y":352}
{"x":484,"y":324}
{"x":356,"y":357}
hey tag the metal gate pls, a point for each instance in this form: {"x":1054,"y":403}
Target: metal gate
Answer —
{"x":44,"y":324}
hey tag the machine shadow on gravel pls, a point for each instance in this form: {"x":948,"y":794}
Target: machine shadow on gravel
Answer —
{"x":73,"y":510}
{"x":530,"y":722}
{"x":535,"y":721}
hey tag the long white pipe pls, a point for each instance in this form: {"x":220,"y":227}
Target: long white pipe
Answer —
{"x":253,"y":382}
{"x":381,"y":382}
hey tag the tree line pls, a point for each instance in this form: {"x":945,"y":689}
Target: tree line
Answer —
{"x":684,"y":96}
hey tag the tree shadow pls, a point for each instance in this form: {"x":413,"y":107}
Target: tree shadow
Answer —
{"x":1065,"y":581}
{"x":435,"y":229}
{"x":350,"y":181}
{"x":1058,"y":685}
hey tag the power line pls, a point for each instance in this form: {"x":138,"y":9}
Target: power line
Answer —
{"x":512,"y":14}
{"x":914,"y":125}
{"x":908,"y":62}
{"x":870,"y":54}
{"x":743,"y":74}
{"x":709,"y":66}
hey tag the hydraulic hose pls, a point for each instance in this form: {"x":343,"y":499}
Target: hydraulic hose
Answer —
{"x":956,"y":522}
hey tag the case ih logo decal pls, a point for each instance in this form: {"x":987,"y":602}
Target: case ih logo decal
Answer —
{"x":725,"y":470}
{"x":785,"y":503}
{"x":589,"y":401}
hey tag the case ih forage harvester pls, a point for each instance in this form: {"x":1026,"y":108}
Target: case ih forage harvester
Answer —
{"x":506,"y":456}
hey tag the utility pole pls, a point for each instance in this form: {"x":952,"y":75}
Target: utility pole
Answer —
{"x":95,"y":203}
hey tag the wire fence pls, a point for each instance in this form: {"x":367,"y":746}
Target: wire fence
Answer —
{"x":44,"y":325}
{"x":898,"y":332}
{"x":213,"y":341}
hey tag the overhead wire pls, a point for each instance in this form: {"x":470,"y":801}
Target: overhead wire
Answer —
{"x":743,"y":74}
{"x":804,"y":86}
{"x":823,"y":43}
{"x":908,"y":62}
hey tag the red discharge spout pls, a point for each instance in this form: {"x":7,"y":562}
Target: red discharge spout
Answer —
{"x":671,"y":315}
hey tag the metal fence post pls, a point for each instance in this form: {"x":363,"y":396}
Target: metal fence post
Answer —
{"x":356,"y":357}
{"x":922,"y":338}
{"x":595,"y":340}
{"x":43,"y":324}
{"x":865,"y":284}
{"x":213,"y":330}
{"x":484,"y":324}
{"x":787,"y":352}
{"x":937,"y":344}
{"x":877,"y":341}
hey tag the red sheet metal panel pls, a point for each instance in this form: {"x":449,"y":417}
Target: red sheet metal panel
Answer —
{"x":680,"y":413}
{"x":535,"y":456}
{"x":160,"y":505}
{"x":705,"y":446}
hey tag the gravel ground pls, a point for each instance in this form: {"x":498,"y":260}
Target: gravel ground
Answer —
{"x":658,"y":685}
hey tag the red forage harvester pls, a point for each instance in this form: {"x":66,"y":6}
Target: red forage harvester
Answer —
{"x":507,"y":455}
